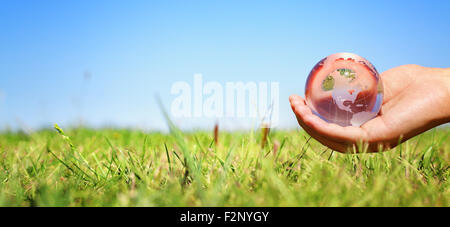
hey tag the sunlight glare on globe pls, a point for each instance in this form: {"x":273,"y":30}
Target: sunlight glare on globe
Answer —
{"x":344,"y":89}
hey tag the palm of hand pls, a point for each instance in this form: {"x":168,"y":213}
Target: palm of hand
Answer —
{"x":411,"y":101}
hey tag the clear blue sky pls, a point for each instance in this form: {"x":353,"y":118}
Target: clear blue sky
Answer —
{"x":135,"y":49}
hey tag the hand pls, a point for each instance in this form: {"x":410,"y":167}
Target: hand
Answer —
{"x":416,"y":99}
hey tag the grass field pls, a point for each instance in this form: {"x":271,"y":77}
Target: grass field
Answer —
{"x":111,"y":167}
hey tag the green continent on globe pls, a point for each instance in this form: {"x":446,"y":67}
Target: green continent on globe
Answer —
{"x":348,"y":73}
{"x":328,"y":83}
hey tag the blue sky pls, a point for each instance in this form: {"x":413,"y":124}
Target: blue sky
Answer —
{"x":103,"y":61}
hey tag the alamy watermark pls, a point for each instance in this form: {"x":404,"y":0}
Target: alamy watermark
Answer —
{"x":211,"y":99}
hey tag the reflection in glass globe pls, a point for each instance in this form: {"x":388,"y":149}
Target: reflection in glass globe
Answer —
{"x":344,"y":89}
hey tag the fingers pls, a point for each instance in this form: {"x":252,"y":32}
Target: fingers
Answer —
{"x":326,"y":142}
{"x":325,"y":132}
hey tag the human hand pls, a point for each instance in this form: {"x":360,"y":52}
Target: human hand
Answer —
{"x":416,"y":99}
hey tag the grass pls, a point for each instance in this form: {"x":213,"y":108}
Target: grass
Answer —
{"x":112,"y":167}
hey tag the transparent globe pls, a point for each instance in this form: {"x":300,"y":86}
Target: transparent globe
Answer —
{"x":344,"y":89}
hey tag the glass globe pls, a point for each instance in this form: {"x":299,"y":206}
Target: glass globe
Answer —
{"x":344,"y":89}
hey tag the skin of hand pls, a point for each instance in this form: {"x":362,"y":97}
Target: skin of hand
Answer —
{"x":416,"y":99}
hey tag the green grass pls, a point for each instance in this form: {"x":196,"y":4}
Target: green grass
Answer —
{"x":84,"y":167}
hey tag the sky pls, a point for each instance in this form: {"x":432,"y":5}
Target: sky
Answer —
{"x":101,"y":63}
